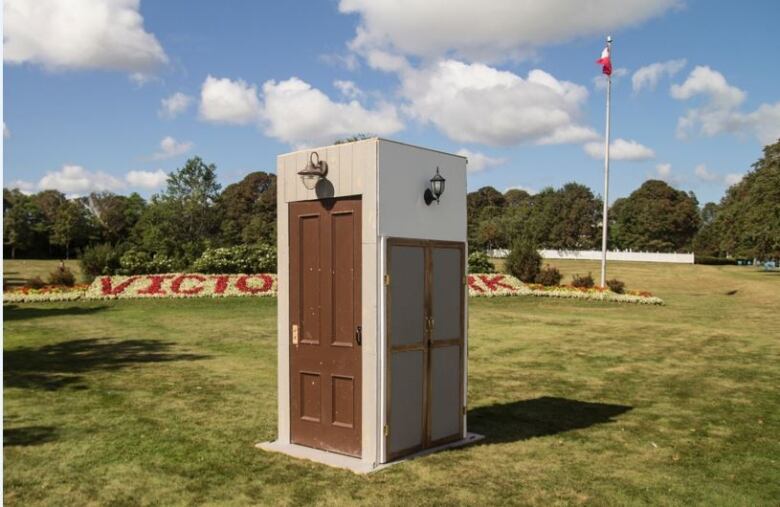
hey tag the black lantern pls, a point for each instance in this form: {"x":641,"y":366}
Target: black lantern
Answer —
{"x":436,"y":190}
{"x":313,"y":171}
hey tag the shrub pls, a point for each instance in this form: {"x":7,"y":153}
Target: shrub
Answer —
{"x":582,"y":282}
{"x":101,"y":259}
{"x":479,"y":262}
{"x":616,"y":286}
{"x":549,"y":276}
{"x":35,"y":283}
{"x":524,"y":261}
{"x":62,"y":276}
{"x":260,"y":258}
{"x":137,"y":262}
{"x":716,"y":261}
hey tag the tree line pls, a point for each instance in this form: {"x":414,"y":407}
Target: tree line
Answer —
{"x":194,"y":214}
{"x":176,"y":226}
{"x":655,"y":217}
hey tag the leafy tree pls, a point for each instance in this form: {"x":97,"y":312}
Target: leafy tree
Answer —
{"x":578,"y":213}
{"x":655,"y":217}
{"x":21,"y":222}
{"x":114,"y":215}
{"x":183,"y":221}
{"x":515,"y":196}
{"x":70,"y":224}
{"x":483,"y":205}
{"x":248,"y":210}
{"x":747,"y":222}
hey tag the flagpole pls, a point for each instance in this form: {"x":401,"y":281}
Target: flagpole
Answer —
{"x":606,"y":179}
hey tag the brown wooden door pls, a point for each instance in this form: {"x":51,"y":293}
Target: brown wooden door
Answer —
{"x":325,"y":320}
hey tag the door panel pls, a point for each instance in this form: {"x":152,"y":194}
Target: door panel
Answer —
{"x":446,"y":293}
{"x":325,"y":312}
{"x":406,"y":402}
{"x":445,"y":393}
{"x":407,"y":292}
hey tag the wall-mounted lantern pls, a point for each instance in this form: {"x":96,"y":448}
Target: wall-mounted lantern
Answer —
{"x":314,"y":171}
{"x":436,"y":190}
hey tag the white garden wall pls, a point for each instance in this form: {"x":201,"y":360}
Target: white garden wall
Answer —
{"x":612,"y":255}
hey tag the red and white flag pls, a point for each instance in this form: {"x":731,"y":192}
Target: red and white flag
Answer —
{"x":605,"y":62}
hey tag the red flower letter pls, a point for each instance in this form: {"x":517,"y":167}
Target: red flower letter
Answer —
{"x":222,"y":283}
{"x":176,"y":284}
{"x":156,"y":286}
{"x":241,"y":284}
{"x":473,"y":284}
{"x":109,"y":290}
{"x":494,"y":283}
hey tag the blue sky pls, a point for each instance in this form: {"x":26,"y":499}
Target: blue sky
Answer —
{"x":113,"y":94}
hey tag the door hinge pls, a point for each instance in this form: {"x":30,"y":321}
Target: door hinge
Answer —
{"x":465,"y":280}
{"x":387,"y":279}
{"x":464,"y":410}
{"x":386,"y":430}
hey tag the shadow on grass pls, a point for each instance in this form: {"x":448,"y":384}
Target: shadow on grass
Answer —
{"x":28,"y":435}
{"x":521,"y":420}
{"x":16,"y":312}
{"x":53,"y":367}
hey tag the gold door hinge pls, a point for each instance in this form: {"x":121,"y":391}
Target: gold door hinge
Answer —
{"x":387,"y":279}
{"x":387,"y":430}
{"x":465,"y":280}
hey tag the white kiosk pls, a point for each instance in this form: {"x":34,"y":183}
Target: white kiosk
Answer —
{"x":372,"y":303}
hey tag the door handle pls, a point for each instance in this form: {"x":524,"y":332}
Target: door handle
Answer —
{"x":359,"y":335}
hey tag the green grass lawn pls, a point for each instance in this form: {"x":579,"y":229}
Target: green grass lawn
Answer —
{"x":17,"y":271}
{"x":160,"y":402}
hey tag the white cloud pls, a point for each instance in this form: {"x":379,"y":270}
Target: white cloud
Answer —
{"x":171,"y":107}
{"x":704,"y":174}
{"x":491,"y":31}
{"x":349,"y":61}
{"x":227,"y":101}
{"x":480,"y":104}
{"x":146,"y":179}
{"x":296,"y":113}
{"x":80,"y":34}
{"x":530,"y":191}
{"x":170,"y":147}
{"x":720,"y":111}
{"x":620,"y":149}
{"x":348,"y":89}
{"x":74,"y":179}
{"x":25,"y":187}
{"x":6,"y":131}
{"x":733,"y":178}
{"x":664,"y":172}
{"x":649,"y":75}
{"x":479,"y":161}
{"x":600,"y":81}
{"x":705,"y":81}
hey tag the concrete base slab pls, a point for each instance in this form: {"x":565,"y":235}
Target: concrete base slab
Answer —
{"x":355,"y":464}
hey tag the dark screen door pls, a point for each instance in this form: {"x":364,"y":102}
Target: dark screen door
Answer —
{"x":325,"y":319}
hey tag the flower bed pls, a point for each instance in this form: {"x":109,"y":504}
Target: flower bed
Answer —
{"x":490,"y":285}
{"x":181,"y":285}
{"x":47,"y":293}
{"x":188,"y":285}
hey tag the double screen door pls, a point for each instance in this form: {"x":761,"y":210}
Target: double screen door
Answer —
{"x":425,"y":297}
